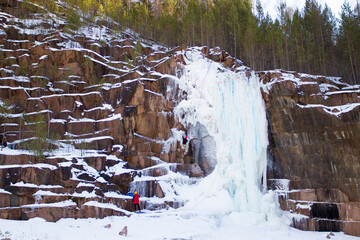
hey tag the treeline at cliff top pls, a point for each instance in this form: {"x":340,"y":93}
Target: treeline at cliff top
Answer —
{"x":307,"y":40}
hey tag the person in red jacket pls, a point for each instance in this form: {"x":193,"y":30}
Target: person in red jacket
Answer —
{"x":136,"y":201}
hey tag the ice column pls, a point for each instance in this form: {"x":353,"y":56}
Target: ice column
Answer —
{"x":231,"y":107}
{"x":242,"y":126}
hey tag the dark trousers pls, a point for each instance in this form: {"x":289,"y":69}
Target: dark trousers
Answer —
{"x":136,"y":206}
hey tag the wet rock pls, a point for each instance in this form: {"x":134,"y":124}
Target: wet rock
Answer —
{"x":325,"y":210}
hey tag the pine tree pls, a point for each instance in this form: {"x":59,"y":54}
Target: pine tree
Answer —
{"x":6,"y":109}
{"x":41,"y":141}
{"x":306,"y":40}
{"x":297,"y":34}
{"x":348,"y":41}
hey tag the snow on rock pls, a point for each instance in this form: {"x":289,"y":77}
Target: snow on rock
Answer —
{"x":78,"y":104}
{"x":111,"y":118}
{"x":31,"y":185}
{"x":118,"y":169}
{"x":106,"y":205}
{"x":335,"y":110}
{"x":2,"y":191}
{"x":83,"y":184}
{"x":328,"y":93}
{"x":85,"y":194}
{"x":67,"y":203}
{"x":36,"y":165}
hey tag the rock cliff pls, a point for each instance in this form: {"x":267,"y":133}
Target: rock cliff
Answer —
{"x":314,"y":145}
{"x":103,"y":102}
{"x":314,"y":131}
{"x":94,"y":107}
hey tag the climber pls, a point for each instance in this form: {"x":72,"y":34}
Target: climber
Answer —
{"x":184,"y":142}
{"x":136,"y":201}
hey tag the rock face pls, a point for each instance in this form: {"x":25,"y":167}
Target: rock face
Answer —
{"x":314,"y":132}
{"x":108,"y":108}
{"x":322,"y":210}
{"x":314,"y":142}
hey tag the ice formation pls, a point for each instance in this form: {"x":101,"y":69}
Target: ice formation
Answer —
{"x":229,"y":104}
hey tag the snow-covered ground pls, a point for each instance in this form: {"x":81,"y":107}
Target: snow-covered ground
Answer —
{"x":177,"y":224}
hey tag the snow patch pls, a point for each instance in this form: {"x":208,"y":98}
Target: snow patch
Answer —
{"x":332,"y":110}
{"x":31,"y":185}
{"x":37,"y":165}
{"x":3,"y":191}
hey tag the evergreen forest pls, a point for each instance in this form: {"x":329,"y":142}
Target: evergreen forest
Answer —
{"x":310,"y":40}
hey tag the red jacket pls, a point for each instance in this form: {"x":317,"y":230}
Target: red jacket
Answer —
{"x":136,"y":199}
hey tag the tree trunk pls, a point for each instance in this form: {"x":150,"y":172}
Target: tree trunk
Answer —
{"x":351,"y":61}
{"x":355,"y":65}
{"x":287,"y":54}
{"x":193,"y":35}
{"x":3,"y":138}
{"x":235,"y":43}
{"x":273,"y":54}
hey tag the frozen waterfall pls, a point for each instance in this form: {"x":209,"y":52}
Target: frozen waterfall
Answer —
{"x":231,"y":108}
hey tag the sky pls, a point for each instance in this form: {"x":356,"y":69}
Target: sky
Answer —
{"x":335,"y":5}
